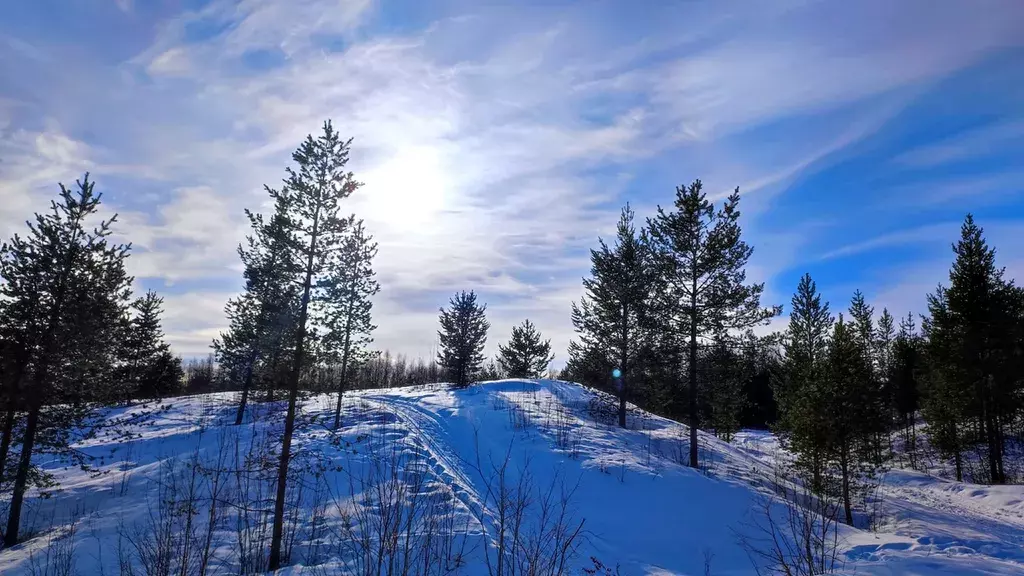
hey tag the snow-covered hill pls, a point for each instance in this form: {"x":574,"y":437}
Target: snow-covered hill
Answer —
{"x":177,"y":481}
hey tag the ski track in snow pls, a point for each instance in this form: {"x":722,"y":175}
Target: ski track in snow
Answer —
{"x":642,"y":508}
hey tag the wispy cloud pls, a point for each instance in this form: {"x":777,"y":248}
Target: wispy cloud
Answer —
{"x":495,"y":143}
{"x":972,"y":144}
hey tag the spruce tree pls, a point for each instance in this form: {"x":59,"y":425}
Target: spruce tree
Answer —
{"x":702,"y":256}
{"x":348,"y":289}
{"x":849,"y":412}
{"x":971,"y":329}
{"x":616,"y":320}
{"x":946,"y":400}
{"x":317,"y":232}
{"x":525,"y":355}
{"x":74,"y":280}
{"x":904,"y":375}
{"x":873,"y":392}
{"x":148,"y":369}
{"x":462,"y":336}
{"x":802,"y":393}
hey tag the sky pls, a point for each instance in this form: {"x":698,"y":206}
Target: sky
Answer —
{"x":498,"y":140}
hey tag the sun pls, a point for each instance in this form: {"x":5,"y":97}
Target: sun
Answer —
{"x":408,"y":190}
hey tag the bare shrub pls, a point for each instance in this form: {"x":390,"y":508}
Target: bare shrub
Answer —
{"x":792,"y":531}
{"x":58,"y":555}
{"x":528,"y":529}
{"x":395,"y":519}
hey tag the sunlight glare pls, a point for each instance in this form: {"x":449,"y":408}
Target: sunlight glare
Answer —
{"x":408,"y":190}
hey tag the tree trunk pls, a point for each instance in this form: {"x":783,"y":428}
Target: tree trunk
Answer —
{"x":693,"y":379}
{"x":277,"y":533}
{"x":246,"y":384}
{"x":21,"y":480}
{"x":957,"y":456}
{"x":844,"y":468}
{"x":622,"y":368}
{"x":8,"y":433}
{"x":275,"y":361}
{"x":344,"y":367}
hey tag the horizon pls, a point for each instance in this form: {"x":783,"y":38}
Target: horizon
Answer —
{"x":496,"y":145}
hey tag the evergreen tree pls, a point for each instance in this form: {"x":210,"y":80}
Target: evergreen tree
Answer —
{"x":526,"y":355}
{"x":616,"y":319}
{"x":945,"y":407}
{"x":904,"y":370}
{"x":492,"y":371}
{"x":723,"y":373}
{"x":19,"y":329}
{"x":261,"y":319}
{"x":849,"y":412}
{"x":702,"y":256}
{"x":972,"y":325}
{"x":75,"y":282}
{"x":803,"y":390}
{"x":463,"y":335}
{"x":347,"y":314}
{"x":317,"y":232}
{"x":872,"y":394}
{"x":148,"y":369}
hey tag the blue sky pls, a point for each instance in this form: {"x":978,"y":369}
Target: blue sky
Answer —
{"x":498,"y":140}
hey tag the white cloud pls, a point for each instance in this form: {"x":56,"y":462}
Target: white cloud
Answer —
{"x":491,"y":146}
{"x":172,"y":62}
{"x":972,"y":144}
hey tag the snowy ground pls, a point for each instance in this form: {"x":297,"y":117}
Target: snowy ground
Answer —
{"x":639,"y":507}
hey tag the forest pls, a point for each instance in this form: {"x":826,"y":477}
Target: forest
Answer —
{"x":669,"y":324}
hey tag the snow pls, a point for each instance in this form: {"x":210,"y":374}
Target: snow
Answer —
{"x":641,"y":508}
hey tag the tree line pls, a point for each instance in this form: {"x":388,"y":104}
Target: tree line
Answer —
{"x":667,"y":323}
{"x":73,"y":337}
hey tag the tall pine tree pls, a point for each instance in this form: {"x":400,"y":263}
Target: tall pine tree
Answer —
{"x":616,"y":319}
{"x":347,"y":314}
{"x":971,"y":393}
{"x":904,"y":383}
{"x":525,"y":355}
{"x":462,"y":336}
{"x":75,"y":280}
{"x":317,"y":233}
{"x":802,"y":391}
{"x":703,"y":258}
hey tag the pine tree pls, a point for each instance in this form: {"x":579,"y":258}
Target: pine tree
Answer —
{"x":75,"y":281}
{"x":526,"y":355}
{"x":19,"y":329}
{"x":945,"y":407}
{"x":148,"y":369}
{"x":904,"y":371}
{"x":803,"y":391}
{"x":702,"y":256}
{"x":968,"y":381}
{"x":261,"y":319}
{"x":723,"y":374}
{"x":492,"y":371}
{"x":348,"y":291}
{"x":849,"y":412}
{"x":462,"y":336}
{"x":616,"y":319}
{"x":872,"y":394}
{"x":317,"y":232}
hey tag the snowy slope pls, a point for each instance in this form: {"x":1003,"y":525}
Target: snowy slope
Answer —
{"x":639,"y":507}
